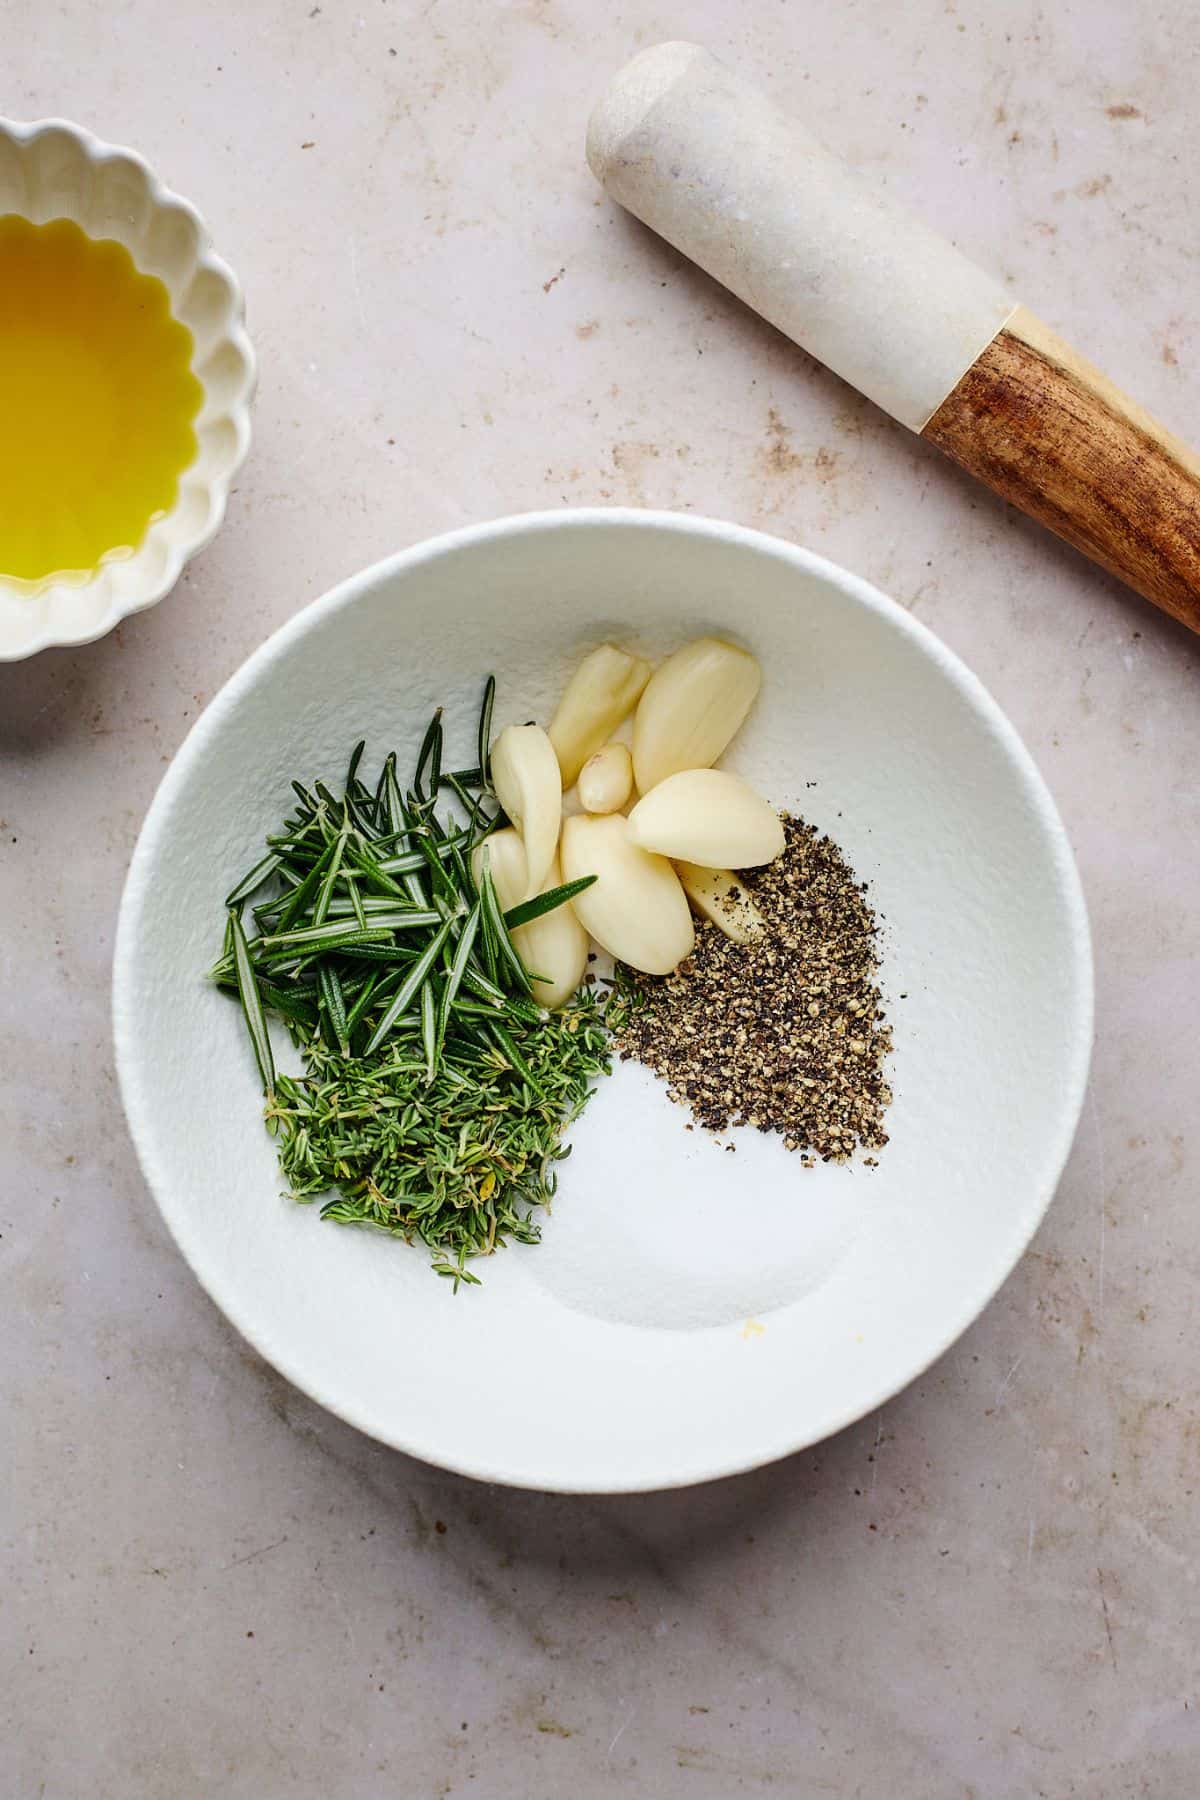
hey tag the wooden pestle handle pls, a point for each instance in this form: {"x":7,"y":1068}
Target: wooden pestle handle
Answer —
{"x":1055,"y":437}
{"x":749,"y":194}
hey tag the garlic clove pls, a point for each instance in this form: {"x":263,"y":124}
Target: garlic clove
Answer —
{"x":603,"y":690}
{"x":556,"y":945}
{"x":606,"y":779}
{"x":717,"y":894}
{"x":636,"y":909}
{"x":693,"y":704}
{"x":509,"y":869}
{"x":707,"y":816}
{"x":528,"y":785}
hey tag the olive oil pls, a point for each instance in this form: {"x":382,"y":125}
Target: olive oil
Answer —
{"x":97,"y":400}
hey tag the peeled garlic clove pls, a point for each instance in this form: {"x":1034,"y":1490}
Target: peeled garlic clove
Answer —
{"x":718,"y":895}
{"x":606,"y":780}
{"x":556,"y":945}
{"x":636,"y":909}
{"x":506,"y":860}
{"x":707,"y":816}
{"x":602,"y":691}
{"x":693,"y":704}
{"x":528,"y":786}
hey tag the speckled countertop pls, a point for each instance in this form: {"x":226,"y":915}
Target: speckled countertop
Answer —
{"x":210,"y":1587}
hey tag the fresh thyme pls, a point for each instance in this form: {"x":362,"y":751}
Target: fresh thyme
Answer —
{"x":460,"y":1162}
{"x":435,"y":1091}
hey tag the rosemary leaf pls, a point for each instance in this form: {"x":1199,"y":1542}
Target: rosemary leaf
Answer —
{"x":362,"y":1002}
{"x":506,"y":951}
{"x":389,"y":791}
{"x":484,"y":734}
{"x":357,"y":903}
{"x":250,"y":884}
{"x":512,"y":1055}
{"x":429,"y":760}
{"x":547,"y":902}
{"x":407,"y":990}
{"x":252,"y":1006}
{"x":429,"y":1031}
{"x":301,"y":895}
{"x":331,"y":874}
{"x":333,"y":1003}
{"x":330,"y":935}
{"x":458,"y":968}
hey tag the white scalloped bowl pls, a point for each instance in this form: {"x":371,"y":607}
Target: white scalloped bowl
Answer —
{"x":55,"y":170}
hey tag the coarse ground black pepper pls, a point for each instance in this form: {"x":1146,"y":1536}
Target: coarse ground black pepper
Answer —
{"x":788,"y":1033}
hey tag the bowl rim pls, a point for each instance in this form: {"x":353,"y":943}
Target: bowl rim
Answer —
{"x":99,"y":150}
{"x":346,"y":593}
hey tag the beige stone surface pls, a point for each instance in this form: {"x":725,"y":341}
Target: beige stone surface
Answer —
{"x":209,"y":1586}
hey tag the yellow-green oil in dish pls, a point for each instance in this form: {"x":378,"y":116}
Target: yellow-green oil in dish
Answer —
{"x":97,"y":400}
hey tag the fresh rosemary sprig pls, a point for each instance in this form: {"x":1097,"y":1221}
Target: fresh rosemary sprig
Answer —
{"x":435,"y":1090}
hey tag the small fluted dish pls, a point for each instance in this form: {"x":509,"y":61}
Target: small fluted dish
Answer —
{"x":53,"y":169}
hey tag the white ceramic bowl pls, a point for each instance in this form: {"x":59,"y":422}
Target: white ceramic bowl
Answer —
{"x":56,"y":170}
{"x":689,"y":1313}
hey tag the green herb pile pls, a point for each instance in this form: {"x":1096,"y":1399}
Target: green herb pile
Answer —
{"x":435,"y":1090}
